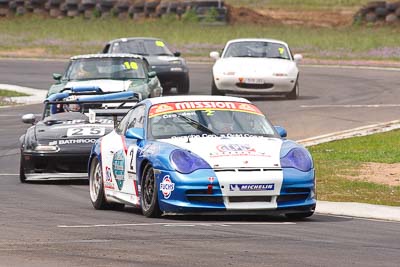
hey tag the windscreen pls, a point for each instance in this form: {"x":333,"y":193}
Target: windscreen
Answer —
{"x":257,"y":49}
{"x":118,"y":68}
{"x":207,"y":118}
{"x":142,"y":47}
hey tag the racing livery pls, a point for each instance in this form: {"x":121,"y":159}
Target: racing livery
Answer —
{"x":110,"y":73}
{"x":175,"y":155}
{"x":58,"y":146}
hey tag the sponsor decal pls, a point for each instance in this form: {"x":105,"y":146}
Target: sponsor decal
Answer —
{"x":251,"y":187}
{"x":211,"y":179}
{"x":161,"y":109}
{"x":118,"y":167}
{"x":73,"y":141}
{"x":229,"y":150}
{"x":167,"y":186}
{"x":109,"y":182}
{"x":235,"y":148}
{"x":220,"y":136}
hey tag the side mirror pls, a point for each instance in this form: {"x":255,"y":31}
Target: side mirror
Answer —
{"x":214,"y":55}
{"x":29,"y":118}
{"x":152,"y":74}
{"x":177,"y":54}
{"x":135,"y":133}
{"x":57,"y":76}
{"x":297,"y":57}
{"x":281,"y":131}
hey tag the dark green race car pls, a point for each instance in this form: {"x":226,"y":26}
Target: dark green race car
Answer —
{"x":109,"y":72}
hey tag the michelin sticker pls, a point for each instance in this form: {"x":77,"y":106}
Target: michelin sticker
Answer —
{"x":118,"y":168}
{"x":251,"y":187}
{"x":167,"y":186}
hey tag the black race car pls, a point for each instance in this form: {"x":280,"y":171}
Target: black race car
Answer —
{"x":58,"y":145}
{"x":171,"y":69}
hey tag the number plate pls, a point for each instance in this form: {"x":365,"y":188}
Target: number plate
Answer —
{"x":254,"y":81}
{"x":89,"y":131}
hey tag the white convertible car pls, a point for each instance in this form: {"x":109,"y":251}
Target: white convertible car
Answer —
{"x":256,"y":67}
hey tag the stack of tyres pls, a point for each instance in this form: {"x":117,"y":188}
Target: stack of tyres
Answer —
{"x":138,"y":9}
{"x":150,"y":8}
{"x":105,"y":7}
{"x":38,"y":6}
{"x":87,"y":7}
{"x":54,"y":8}
{"x":122,"y":8}
{"x":4,"y":8}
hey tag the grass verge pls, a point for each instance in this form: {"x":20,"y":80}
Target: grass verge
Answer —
{"x":40,"y":37}
{"x":6,"y":94}
{"x":336,"y":162}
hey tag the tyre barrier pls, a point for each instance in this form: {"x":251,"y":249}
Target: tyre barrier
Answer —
{"x":124,"y":9}
{"x":379,"y":12}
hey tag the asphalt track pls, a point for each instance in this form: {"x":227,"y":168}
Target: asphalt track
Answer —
{"x":54,"y":224}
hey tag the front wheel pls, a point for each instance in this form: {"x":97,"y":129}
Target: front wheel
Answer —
{"x":149,"y":193}
{"x":96,"y":188}
{"x":294,"y":94}
{"x":22,"y":176}
{"x":214,"y":89}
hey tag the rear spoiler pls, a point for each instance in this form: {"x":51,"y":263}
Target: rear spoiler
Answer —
{"x":85,"y":99}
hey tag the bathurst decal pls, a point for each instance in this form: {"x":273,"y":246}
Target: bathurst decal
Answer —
{"x":167,"y":186}
{"x":161,"y":109}
{"x":251,"y":187}
{"x":118,"y":167}
{"x":72,"y":141}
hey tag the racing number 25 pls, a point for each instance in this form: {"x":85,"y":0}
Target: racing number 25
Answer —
{"x":85,"y":131}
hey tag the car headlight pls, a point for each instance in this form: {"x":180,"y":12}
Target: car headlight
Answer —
{"x":46,"y":148}
{"x":175,"y":62}
{"x":297,"y":158}
{"x":186,"y":162}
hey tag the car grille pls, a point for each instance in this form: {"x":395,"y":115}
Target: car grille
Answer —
{"x":250,"y":199}
{"x":201,"y":196}
{"x":293,"y":194}
{"x":255,"y":85}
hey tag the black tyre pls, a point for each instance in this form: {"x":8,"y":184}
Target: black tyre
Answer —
{"x":183,"y":86}
{"x":22,"y":176}
{"x":96,"y":188}
{"x":294,"y":94}
{"x":214,"y":89}
{"x":299,"y":216}
{"x":149,"y":193}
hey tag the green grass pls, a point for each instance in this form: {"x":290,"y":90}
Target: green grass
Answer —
{"x":334,"y":161}
{"x":67,"y":37}
{"x":8,"y":93}
{"x":295,"y":4}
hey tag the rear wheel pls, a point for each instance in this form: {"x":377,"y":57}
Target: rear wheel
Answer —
{"x":214,"y":89}
{"x":183,"y":86}
{"x":149,"y":193}
{"x":96,"y":188}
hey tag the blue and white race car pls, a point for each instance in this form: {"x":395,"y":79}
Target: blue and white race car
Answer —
{"x":201,"y":154}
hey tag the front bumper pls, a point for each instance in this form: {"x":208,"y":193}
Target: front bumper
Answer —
{"x":271,"y":85}
{"x":202,"y":192}
{"x":171,"y":76}
{"x":45,"y":166}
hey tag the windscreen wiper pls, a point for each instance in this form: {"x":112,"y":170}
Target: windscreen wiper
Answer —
{"x":195,"y":124}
